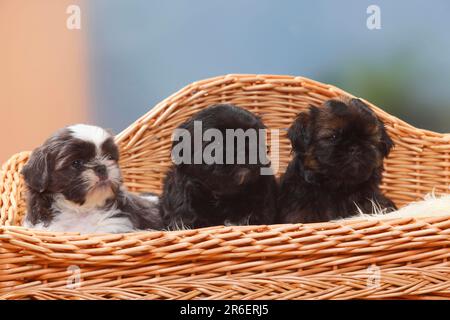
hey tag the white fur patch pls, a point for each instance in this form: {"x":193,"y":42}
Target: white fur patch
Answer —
{"x":70,"y":217}
{"x":431,"y":206}
{"x":89,"y":133}
{"x":151,"y":198}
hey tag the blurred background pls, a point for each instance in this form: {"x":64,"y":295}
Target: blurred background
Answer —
{"x":129,"y":55}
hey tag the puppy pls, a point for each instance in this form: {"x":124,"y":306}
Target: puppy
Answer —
{"x":219,"y":193}
{"x":75,"y":185}
{"x":337,"y":165}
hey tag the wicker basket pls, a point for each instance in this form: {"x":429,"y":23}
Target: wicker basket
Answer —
{"x":402,"y":258}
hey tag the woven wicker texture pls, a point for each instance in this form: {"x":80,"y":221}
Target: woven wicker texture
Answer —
{"x":402,"y":258}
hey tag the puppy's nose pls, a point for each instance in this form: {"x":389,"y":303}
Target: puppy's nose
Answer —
{"x":101,"y":172}
{"x":353,"y":149}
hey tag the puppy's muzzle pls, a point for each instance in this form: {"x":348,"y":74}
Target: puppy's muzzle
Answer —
{"x":101,"y":172}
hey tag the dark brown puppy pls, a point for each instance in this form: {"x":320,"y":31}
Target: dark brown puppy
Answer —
{"x":337,"y":164}
{"x":202,"y":194}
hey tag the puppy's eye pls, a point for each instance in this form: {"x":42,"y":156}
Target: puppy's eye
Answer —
{"x":78,"y":164}
{"x":109,"y":157}
{"x":332,"y":137}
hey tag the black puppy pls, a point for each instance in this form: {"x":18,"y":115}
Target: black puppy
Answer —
{"x":337,"y":164}
{"x":200,"y":192}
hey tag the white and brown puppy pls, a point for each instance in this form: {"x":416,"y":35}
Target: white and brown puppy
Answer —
{"x":75,"y":185}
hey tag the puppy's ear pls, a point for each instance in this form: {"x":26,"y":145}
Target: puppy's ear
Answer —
{"x":386,"y":142}
{"x":361,"y":105}
{"x":300,"y":131}
{"x":36,"y":171}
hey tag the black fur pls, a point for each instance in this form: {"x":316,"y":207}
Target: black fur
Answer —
{"x":338,"y":153}
{"x":142,"y":213}
{"x":201,"y":195}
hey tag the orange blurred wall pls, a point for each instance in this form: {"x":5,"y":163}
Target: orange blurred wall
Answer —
{"x":43,"y":76}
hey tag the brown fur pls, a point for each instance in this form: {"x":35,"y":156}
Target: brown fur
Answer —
{"x":337,"y":164}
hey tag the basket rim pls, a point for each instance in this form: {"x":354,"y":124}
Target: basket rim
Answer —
{"x":57,"y":246}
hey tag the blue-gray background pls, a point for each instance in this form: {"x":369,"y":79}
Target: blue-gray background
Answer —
{"x":142,"y":51}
